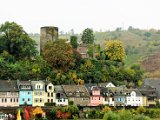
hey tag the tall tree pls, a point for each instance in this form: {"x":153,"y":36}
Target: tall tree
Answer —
{"x":16,"y":41}
{"x":59,"y":54}
{"x":74,"y":41}
{"x":88,"y":36}
{"x":115,"y":50}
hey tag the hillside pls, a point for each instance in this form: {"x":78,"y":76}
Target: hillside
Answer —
{"x":141,"y":45}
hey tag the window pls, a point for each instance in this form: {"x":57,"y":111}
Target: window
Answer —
{"x":40,"y":93}
{"x":29,"y":93}
{"x":11,"y":100}
{"x":99,"y":98}
{"x":23,"y":99}
{"x":29,"y":99}
{"x":48,"y":95}
{"x":50,"y":87}
{"x":14,"y":100}
{"x":40,"y":100}
{"x":48,"y":100}
{"x":51,"y":94}
{"x":17,"y":99}
{"x":36,"y":100}
{"x":5,"y":100}
{"x":64,"y":100}
{"x":51,"y":100}
{"x":2,"y":99}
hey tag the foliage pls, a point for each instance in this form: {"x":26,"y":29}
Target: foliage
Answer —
{"x":141,"y":110}
{"x":141,"y":117}
{"x":59,"y":55}
{"x":16,"y":41}
{"x":111,"y":116}
{"x":73,"y":42}
{"x":115,"y":50}
{"x":153,"y":112}
{"x":87,"y":36}
{"x":106,"y":109}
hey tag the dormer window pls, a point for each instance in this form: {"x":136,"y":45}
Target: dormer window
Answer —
{"x":50,"y":87}
{"x":38,"y":86}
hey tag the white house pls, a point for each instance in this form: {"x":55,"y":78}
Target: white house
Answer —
{"x":134,"y":98}
{"x":61,"y":98}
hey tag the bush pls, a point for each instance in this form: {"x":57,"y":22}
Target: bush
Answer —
{"x":125,"y":115}
{"x":141,"y":110}
{"x":111,"y":116}
{"x":141,"y":117}
{"x":50,"y":104}
{"x":153,"y":113}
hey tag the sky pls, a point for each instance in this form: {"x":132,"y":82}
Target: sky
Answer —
{"x":80,"y":14}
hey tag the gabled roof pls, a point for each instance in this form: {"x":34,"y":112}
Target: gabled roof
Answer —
{"x":24,"y":83}
{"x":128,"y":92}
{"x":8,"y":86}
{"x":76,"y":91}
{"x":33,"y":83}
{"x":107,"y":84}
{"x":153,"y":82}
{"x":59,"y":89}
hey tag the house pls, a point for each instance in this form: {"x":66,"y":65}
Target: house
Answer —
{"x":50,"y":96}
{"x":61,"y":98}
{"x":155,"y":83}
{"x":109,"y":84}
{"x":83,"y":50}
{"x":134,"y":97}
{"x":150,"y":93}
{"x":38,"y":93}
{"x":78,"y":94}
{"x":108,"y":96}
{"x":95,"y":97}
{"x":119,"y":97}
{"x":9,"y":94}
{"x":25,"y":92}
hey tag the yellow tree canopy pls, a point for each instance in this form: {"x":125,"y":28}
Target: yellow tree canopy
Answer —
{"x":115,"y":50}
{"x":38,"y":110}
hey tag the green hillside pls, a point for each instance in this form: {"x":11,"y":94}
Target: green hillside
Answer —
{"x":138,"y":43}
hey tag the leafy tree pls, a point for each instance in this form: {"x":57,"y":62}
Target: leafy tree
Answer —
{"x":73,"y":42}
{"x":16,"y":41}
{"x":111,"y":116}
{"x":87,"y":36}
{"x":115,"y":50}
{"x":59,"y":54}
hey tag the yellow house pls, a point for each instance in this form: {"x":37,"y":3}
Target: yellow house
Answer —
{"x":38,"y":93}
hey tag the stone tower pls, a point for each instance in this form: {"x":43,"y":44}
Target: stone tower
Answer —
{"x":48,"y":33}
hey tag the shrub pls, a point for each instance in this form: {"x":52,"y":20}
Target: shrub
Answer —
{"x":125,"y":115}
{"x":141,"y":117}
{"x":111,"y":116}
{"x":153,"y":113}
{"x":141,"y":110}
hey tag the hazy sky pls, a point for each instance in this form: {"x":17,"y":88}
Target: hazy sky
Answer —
{"x":80,"y":14}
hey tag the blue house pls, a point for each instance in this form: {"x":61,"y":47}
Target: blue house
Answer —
{"x":25,"y":92}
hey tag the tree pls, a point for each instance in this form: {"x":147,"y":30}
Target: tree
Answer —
{"x":59,"y":54}
{"x":115,"y":50}
{"x":16,"y":41}
{"x":74,"y":41}
{"x":87,"y":36}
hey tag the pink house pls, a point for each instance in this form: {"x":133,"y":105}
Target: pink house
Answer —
{"x":96,"y":98}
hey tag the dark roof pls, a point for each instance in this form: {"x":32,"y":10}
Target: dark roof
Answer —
{"x":36,"y":82}
{"x":24,"y":83}
{"x":155,"y":83}
{"x":59,"y":89}
{"x":76,"y":91}
{"x":128,"y":91}
{"x":8,"y":85}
